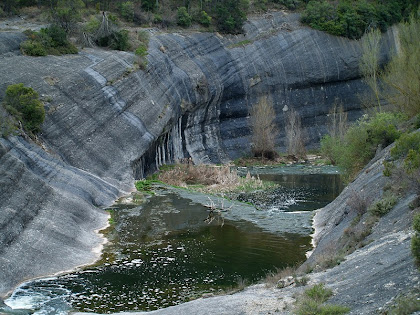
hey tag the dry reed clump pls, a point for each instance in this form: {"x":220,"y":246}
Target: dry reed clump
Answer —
{"x":207,"y":178}
{"x":295,"y":138}
{"x":274,"y":277}
{"x":358,"y":202}
{"x":263,"y":129}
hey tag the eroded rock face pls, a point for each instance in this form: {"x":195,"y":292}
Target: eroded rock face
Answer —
{"x":108,"y":123}
{"x":48,"y":213}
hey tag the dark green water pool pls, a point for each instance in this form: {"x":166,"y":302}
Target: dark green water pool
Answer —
{"x":162,"y":252}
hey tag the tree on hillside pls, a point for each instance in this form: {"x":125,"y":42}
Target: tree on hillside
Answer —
{"x":9,"y":6}
{"x":263,"y":129}
{"x":369,"y":63}
{"x":231,"y":15}
{"x":67,"y":12}
{"x":402,"y":74}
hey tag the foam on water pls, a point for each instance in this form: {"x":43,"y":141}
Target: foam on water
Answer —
{"x":41,"y":297}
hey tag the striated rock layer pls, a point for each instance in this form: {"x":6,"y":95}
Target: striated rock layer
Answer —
{"x":109,"y":123}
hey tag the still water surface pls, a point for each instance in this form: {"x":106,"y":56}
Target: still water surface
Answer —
{"x":163,"y":253}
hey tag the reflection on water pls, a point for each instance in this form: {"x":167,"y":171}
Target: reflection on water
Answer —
{"x":162,"y":253}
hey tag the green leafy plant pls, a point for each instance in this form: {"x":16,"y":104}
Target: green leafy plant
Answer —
{"x":24,"y":104}
{"x":141,"y":53}
{"x":412,"y":161}
{"x":141,"y":50}
{"x":67,"y":12}
{"x":311,"y":303}
{"x":401,"y":74}
{"x":407,"y":142}
{"x":127,"y":11}
{"x":157,"y":18}
{"x":33,"y":48}
{"x":405,"y":304}
{"x":145,"y":185}
{"x":352,"y":19}
{"x":383,"y":206}
{"x":318,"y":293}
{"x":231,"y":15}
{"x":92,"y":25}
{"x":48,"y":41}
{"x":183,"y":18}
{"x":360,"y":142}
{"x":204,"y":19}
{"x":119,"y":40}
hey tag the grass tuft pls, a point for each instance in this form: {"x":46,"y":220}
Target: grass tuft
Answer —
{"x":311,"y":302}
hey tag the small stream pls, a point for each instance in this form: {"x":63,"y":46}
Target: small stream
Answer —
{"x":163,"y":252}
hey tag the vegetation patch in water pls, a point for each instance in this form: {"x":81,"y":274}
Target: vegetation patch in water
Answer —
{"x":207,"y":179}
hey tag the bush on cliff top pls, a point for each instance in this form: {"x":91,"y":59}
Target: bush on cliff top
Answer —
{"x":22,"y":102}
{"x":353,"y":18}
{"x":48,"y":41}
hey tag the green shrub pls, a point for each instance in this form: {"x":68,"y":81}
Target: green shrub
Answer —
{"x":33,"y":48}
{"x":405,"y":304}
{"x":204,"y":19}
{"x":412,"y":161}
{"x":319,"y":293}
{"x":157,"y":19}
{"x":92,"y":25}
{"x":148,"y":5}
{"x":311,"y":302}
{"x":141,"y":51}
{"x":24,"y":104}
{"x":57,"y":36}
{"x":383,"y":206}
{"x":307,"y":307}
{"x":401,"y":73}
{"x":127,"y":11}
{"x":183,"y":18}
{"x":407,"y":142}
{"x":119,"y":40}
{"x":416,"y":223}
{"x":359,"y":144}
{"x":382,"y":129}
{"x":353,"y":18}
{"x":48,"y":41}
{"x":144,"y":37}
{"x":66,"y":13}
{"x":146,"y":185}
{"x":231,"y":15}
{"x":330,"y":147}
{"x":388,"y":166}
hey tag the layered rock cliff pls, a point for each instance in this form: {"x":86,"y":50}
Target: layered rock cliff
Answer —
{"x":109,"y":123}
